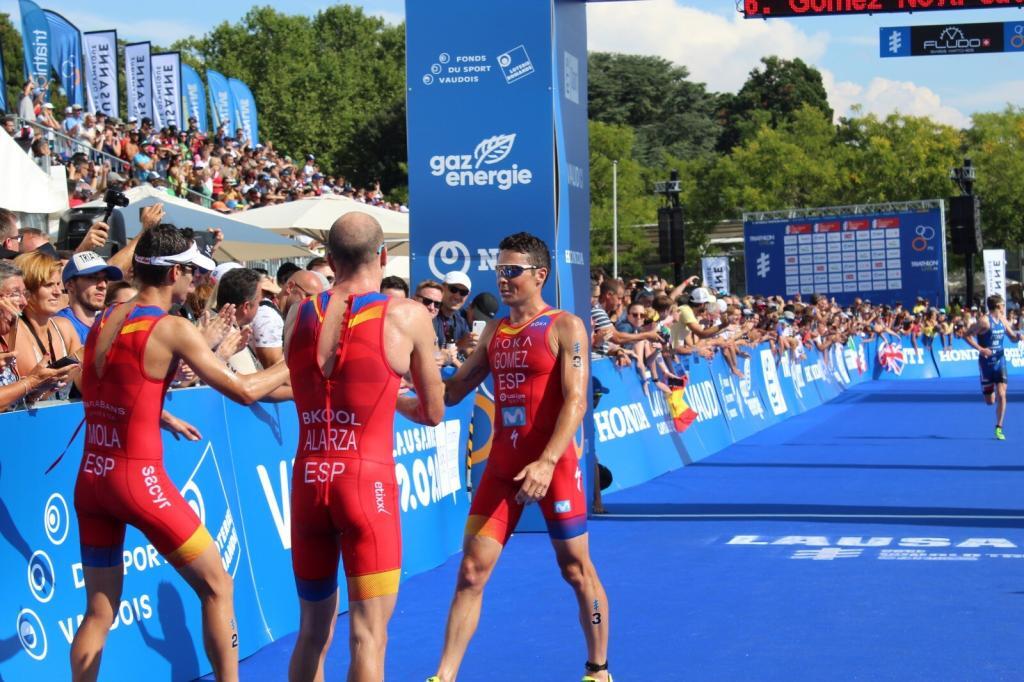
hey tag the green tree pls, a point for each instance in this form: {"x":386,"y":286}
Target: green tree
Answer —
{"x":333,"y":84}
{"x":995,"y":144}
{"x":669,"y":113}
{"x":781,"y":87}
{"x":610,"y":143}
{"x":13,"y":59}
{"x":896,"y":158}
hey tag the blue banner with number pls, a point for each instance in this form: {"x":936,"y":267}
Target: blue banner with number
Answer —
{"x":881,"y":257}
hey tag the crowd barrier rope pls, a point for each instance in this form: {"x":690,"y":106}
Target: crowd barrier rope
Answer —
{"x":238,"y":476}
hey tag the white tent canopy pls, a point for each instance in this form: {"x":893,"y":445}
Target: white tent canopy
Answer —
{"x":314,"y":216}
{"x":24,"y":186}
{"x":242,"y":241}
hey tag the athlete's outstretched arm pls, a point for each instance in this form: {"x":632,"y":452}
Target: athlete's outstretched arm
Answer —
{"x":184,"y":340}
{"x":573,"y":355}
{"x":473,"y":371}
{"x":427,"y":406}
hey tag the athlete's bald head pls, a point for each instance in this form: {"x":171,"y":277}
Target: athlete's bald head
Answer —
{"x":355,"y":240}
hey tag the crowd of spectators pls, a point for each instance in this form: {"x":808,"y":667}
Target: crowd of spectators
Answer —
{"x":219,"y":169}
{"x":648,"y":324}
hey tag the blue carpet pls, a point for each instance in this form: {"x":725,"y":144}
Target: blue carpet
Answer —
{"x":877,"y":538}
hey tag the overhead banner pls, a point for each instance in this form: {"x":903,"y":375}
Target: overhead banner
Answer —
{"x":715,"y":270}
{"x":138,"y":80}
{"x":66,"y":56}
{"x":947,"y":39}
{"x":995,"y":272}
{"x":244,"y":105}
{"x":166,"y":89}
{"x":767,"y":9}
{"x":101,"y":72}
{"x":35,"y":36}
{"x":194,"y":95}
{"x":891,"y":257}
{"x":220,"y":101}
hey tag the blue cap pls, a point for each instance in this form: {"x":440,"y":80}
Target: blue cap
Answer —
{"x":90,"y":263}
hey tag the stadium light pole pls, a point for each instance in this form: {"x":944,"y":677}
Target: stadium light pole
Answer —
{"x":615,"y":219}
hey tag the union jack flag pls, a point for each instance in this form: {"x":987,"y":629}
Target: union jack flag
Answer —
{"x":890,"y":355}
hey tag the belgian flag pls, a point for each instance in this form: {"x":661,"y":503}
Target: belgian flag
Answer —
{"x":682,"y":414}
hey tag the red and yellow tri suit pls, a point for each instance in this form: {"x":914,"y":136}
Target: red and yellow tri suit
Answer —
{"x":344,"y":492}
{"x":122,"y":478}
{"x":527,"y":400}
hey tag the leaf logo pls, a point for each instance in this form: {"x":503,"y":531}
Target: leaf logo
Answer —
{"x":493,"y":149}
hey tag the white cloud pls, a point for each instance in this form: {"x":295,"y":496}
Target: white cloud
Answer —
{"x":721,"y":51}
{"x":883,"y":96}
{"x":718,"y":50}
{"x":162,"y":32}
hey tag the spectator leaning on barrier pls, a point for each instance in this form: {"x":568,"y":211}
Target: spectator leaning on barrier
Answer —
{"x":85,"y":278}
{"x":46,"y":338}
{"x":320,"y":265}
{"x":267,"y":325}
{"x":10,"y":240}
{"x":18,"y":389}
{"x":430,"y":294}
{"x":240,"y":288}
{"x":449,"y":326}
{"x":483,"y":308}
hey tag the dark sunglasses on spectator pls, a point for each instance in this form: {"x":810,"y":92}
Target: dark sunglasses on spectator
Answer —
{"x":461,"y":291}
{"x":429,"y":302}
{"x":513,"y":271}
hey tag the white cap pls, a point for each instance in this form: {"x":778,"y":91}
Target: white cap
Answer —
{"x":222,"y":269}
{"x":458,"y":277}
{"x":191,"y":255}
{"x":722,"y":305}
{"x":701,"y":295}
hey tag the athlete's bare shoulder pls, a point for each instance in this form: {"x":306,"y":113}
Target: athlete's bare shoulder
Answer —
{"x":406,"y":311}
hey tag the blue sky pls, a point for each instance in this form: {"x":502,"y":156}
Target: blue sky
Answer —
{"x":707,"y":36}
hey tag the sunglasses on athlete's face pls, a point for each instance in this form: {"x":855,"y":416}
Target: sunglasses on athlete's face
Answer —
{"x":513,"y":271}
{"x":461,"y":291}
{"x":429,"y":302}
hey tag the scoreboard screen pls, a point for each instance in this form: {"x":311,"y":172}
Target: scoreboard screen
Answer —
{"x":767,"y":9}
{"x":882,"y":257}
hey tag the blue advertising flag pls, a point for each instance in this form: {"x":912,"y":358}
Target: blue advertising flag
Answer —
{"x":194,"y":95}
{"x":245,"y":110}
{"x":66,"y":56}
{"x":35,"y":34}
{"x":221,"y":104}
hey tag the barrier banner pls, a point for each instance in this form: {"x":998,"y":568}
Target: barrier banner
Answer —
{"x":101,"y":72}
{"x":35,"y":36}
{"x":765,"y":368}
{"x":243,"y":106}
{"x":898,"y":357}
{"x":166,"y":89}
{"x":138,"y":80}
{"x":220,"y":101}
{"x":66,"y":56}
{"x":741,"y":403}
{"x":711,"y":429}
{"x":830,"y":384}
{"x":958,"y":359}
{"x":237,"y":480}
{"x":194,"y":96}
{"x":633,"y":429}
{"x":158,"y":625}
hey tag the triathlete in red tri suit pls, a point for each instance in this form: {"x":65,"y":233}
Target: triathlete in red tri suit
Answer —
{"x":539,"y":359}
{"x":348,"y":349}
{"x":131,"y":355}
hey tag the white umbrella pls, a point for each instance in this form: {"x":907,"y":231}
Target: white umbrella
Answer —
{"x":25,"y":187}
{"x":242,"y":241}
{"x":314,"y":216}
